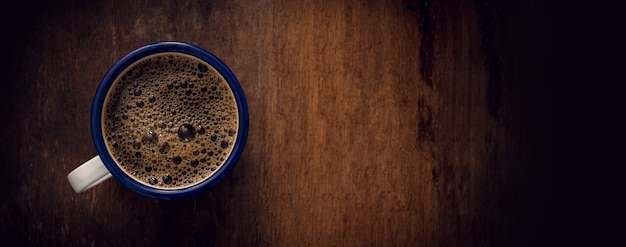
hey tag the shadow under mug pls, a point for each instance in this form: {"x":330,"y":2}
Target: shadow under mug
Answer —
{"x":103,"y":166}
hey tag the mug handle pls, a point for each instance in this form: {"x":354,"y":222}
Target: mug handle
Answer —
{"x":89,"y":174}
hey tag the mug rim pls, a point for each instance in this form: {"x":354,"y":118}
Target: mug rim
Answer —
{"x":109,"y":79}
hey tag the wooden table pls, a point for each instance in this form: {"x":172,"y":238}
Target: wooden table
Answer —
{"x":372,"y":123}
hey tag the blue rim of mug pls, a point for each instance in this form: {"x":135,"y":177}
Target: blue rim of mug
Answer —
{"x":113,"y":73}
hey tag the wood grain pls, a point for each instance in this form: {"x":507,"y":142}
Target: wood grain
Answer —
{"x":372,"y":123}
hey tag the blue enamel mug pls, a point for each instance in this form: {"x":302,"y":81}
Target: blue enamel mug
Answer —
{"x":168,"y":120}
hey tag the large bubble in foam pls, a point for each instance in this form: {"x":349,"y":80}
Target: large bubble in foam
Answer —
{"x":186,"y":132}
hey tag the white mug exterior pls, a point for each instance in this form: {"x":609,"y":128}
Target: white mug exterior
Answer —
{"x":89,"y":174}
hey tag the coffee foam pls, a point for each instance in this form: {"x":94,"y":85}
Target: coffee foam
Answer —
{"x":170,"y":120}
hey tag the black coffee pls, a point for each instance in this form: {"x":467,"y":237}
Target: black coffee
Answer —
{"x":170,"y":120}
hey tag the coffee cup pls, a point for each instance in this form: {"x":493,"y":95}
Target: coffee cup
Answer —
{"x":168,"y":120}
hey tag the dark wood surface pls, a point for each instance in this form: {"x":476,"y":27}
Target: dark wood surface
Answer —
{"x":372,"y":123}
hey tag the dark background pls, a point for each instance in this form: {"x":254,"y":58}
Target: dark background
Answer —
{"x":585,"y":50}
{"x":371,"y":123}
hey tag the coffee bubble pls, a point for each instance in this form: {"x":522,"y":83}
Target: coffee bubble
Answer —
{"x":150,"y":138}
{"x":202,"y":67}
{"x":167,"y":179}
{"x":164,"y":147}
{"x":186,"y":132}
{"x":177,"y":159}
{"x":194,"y":162}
